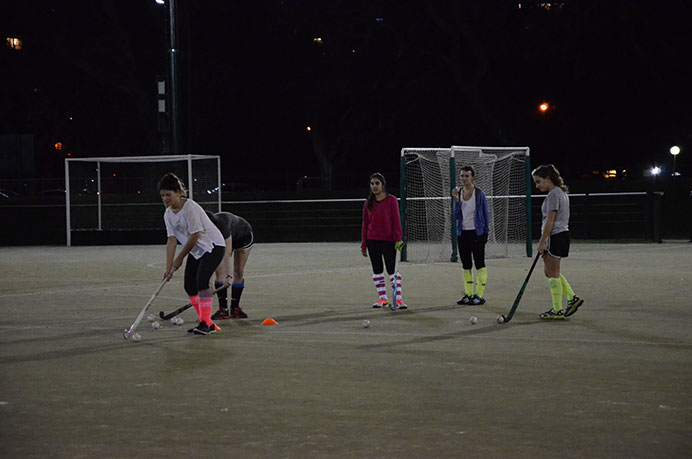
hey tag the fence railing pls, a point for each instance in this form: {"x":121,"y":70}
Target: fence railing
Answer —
{"x":634,"y":215}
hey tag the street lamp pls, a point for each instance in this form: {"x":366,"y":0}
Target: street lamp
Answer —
{"x":174,"y":86}
{"x":675,"y":151}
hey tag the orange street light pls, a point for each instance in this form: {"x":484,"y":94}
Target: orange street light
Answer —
{"x":544,"y":107}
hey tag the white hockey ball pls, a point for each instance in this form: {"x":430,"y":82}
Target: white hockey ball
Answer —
{"x":174,"y":320}
{"x":500,"y":319}
{"x":151,"y":317}
{"x":136,"y":337}
{"x":366,"y":323}
{"x":473,"y":320}
{"x":155,"y":325}
{"x":180,"y":321}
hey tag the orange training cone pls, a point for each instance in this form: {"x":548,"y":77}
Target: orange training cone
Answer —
{"x":269,"y":321}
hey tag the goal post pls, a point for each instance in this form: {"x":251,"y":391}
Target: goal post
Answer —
{"x":120,"y":193}
{"x":430,"y":174}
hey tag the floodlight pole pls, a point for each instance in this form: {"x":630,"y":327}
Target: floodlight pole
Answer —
{"x":174,"y":86}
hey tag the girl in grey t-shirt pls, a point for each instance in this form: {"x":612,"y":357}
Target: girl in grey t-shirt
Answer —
{"x":554,"y":243}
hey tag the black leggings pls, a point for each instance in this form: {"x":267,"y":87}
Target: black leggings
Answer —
{"x":379,"y":249}
{"x":471,"y":244}
{"x":198,"y":272}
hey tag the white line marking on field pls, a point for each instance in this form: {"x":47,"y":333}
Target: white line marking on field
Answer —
{"x":499,"y":338}
{"x":108,"y":287}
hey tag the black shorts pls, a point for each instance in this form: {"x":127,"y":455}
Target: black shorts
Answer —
{"x":245,"y":242}
{"x":558,"y":245}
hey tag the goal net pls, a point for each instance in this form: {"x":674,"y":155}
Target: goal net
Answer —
{"x":120,"y":193}
{"x":429,"y":175}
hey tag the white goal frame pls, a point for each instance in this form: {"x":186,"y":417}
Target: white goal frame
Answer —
{"x":441,"y":235}
{"x":132,"y":159}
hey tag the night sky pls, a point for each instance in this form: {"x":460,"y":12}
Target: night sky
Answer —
{"x":386,"y":75}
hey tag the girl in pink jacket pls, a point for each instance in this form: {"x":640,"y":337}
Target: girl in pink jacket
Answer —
{"x":381,"y":238}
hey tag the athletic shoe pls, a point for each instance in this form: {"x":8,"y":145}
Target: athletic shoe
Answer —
{"x":204,"y":329}
{"x":464,"y":300}
{"x":221,"y":314}
{"x":381,"y":303}
{"x":551,"y":314}
{"x":573,"y":305}
{"x":477,"y":300}
{"x":237,"y":313}
{"x":400,"y":304}
{"x":192,"y":330}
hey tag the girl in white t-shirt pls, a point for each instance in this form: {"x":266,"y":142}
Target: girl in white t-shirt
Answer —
{"x":203,"y":244}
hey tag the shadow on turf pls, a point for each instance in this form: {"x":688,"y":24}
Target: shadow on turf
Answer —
{"x":115,"y":342}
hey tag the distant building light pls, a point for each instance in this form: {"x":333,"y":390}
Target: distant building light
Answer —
{"x":14,"y":43}
{"x":160,"y":2}
{"x":309,"y":128}
{"x":379,"y":19}
{"x":519,"y":5}
{"x":317,"y":40}
{"x":609,"y":174}
{"x":544,"y":107}
{"x":58,"y":145}
{"x":655,"y":171}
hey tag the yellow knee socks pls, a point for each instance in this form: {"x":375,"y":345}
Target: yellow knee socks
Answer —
{"x":566,"y":288}
{"x":482,"y":278}
{"x":556,"y":293}
{"x":467,"y":274}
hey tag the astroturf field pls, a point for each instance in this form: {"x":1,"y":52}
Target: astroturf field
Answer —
{"x":612,"y":382}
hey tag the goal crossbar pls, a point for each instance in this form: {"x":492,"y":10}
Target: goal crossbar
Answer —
{"x":190,"y":178}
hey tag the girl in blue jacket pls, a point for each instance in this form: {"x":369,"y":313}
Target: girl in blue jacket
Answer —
{"x":471,"y":213}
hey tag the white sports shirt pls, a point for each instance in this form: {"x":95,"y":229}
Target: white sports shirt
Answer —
{"x":189,"y":220}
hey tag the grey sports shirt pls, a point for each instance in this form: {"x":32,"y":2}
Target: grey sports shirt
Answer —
{"x":233,"y":225}
{"x":556,"y":200}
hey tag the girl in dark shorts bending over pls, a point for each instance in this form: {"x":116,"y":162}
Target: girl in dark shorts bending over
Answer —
{"x":239,"y":240}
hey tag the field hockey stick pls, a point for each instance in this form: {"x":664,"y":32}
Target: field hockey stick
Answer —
{"x":182,"y":309}
{"x":127,"y":333}
{"x":510,"y":314}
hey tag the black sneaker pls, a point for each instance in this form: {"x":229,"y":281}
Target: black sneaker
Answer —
{"x":221,"y":314}
{"x":551,"y":314}
{"x":573,"y":305}
{"x":192,"y":330}
{"x":464,"y":300}
{"x":204,"y":329}
{"x":237,"y":313}
{"x":477,"y":300}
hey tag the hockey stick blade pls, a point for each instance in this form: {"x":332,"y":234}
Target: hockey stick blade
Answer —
{"x":510,"y":314}
{"x":170,"y":315}
{"x":182,"y":309}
